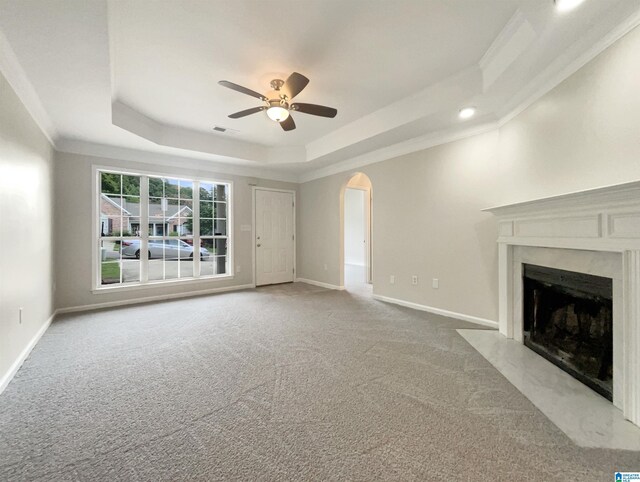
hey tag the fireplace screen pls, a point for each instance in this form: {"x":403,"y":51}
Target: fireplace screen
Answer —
{"x":568,"y":320}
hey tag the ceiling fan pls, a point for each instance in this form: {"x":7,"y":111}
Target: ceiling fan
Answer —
{"x":278,"y":102}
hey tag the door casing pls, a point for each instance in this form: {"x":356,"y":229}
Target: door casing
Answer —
{"x":253,"y":228}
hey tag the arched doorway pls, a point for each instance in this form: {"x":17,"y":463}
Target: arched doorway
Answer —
{"x":356,"y":217}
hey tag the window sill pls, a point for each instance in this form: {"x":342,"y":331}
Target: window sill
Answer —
{"x":160,"y":284}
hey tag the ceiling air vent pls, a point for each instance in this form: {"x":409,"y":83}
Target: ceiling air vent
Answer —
{"x":225,"y":129}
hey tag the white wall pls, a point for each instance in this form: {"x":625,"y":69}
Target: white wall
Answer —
{"x":427,"y":218}
{"x":74,"y":218}
{"x":354,"y":227}
{"x":583,"y":134}
{"x":26,"y":236}
{"x":427,"y":221}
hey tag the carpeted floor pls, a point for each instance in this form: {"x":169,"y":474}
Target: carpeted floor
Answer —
{"x":290,"y":382}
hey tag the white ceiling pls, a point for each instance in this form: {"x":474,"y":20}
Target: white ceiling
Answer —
{"x":143,"y":75}
{"x":359,"y":56}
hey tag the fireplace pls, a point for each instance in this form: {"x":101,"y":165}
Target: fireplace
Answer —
{"x":568,"y":319}
{"x":596,"y":231}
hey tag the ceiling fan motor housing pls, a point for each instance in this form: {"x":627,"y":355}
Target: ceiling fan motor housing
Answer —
{"x":276,"y":84}
{"x":278,"y":103}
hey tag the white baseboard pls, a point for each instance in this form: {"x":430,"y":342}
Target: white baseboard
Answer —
{"x":319,"y":283}
{"x":15,"y":366}
{"x":439,"y":311}
{"x":147,"y":299}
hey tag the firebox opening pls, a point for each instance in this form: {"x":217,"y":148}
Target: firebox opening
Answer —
{"x":568,"y":319}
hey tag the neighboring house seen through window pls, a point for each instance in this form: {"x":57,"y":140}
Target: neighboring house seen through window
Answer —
{"x":186,"y":235}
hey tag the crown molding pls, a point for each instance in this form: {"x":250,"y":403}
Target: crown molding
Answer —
{"x":446,"y":95}
{"x":73,"y":146}
{"x":205,"y":143}
{"x":396,"y":150}
{"x":560,"y":70}
{"x":503,"y":38}
{"x":516,"y":36}
{"x":564,"y":66}
{"x":19,"y":82}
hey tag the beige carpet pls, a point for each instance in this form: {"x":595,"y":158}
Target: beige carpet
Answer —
{"x":290,"y":382}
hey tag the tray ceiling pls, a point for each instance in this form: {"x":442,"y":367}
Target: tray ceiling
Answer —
{"x":143,"y":74}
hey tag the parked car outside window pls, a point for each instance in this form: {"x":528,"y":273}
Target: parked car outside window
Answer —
{"x":162,"y":248}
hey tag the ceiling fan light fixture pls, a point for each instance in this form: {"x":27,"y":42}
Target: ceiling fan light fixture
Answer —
{"x":277,"y":113}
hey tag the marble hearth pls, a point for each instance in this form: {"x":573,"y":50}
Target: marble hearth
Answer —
{"x":594,"y":232}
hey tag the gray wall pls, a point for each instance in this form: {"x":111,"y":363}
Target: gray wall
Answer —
{"x":427,"y":218}
{"x":26,"y":207}
{"x":319,"y":229}
{"x":426,"y":222}
{"x":74,"y":218}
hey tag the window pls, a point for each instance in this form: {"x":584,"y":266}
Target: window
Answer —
{"x":213,"y":228}
{"x":187,"y":229}
{"x":119,"y":194}
{"x":170,"y":216}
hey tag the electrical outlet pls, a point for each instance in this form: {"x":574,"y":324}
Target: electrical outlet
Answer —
{"x":326,"y":268}
{"x":435,"y":283}
{"x":238,"y":269}
{"x":414,"y":280}
{"x":392,"y":280}
{"x":20,"y":315}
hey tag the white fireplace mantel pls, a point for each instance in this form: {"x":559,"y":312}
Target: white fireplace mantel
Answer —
{"x":605,"y":219}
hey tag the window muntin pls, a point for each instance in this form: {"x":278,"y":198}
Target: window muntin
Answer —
{"x":169,"y":206}
{"x":118,"y":228}
{"x":171,"y":228}
{"x":213,"y":228}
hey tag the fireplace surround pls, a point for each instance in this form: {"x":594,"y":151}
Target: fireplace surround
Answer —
{"x":594,"y":232}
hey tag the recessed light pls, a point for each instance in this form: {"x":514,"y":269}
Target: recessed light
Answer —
{"x":467,"y":112}
{"x":566,"y":5}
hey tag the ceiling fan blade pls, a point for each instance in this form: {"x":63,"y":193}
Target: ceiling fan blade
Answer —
{"x":247,"y":112}
{"x":314,"y":109}
{"x":294,"y":84}
{"x":243,"y":90}
{"x":288,"y":124}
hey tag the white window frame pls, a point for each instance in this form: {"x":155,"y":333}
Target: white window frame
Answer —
{"x":144,"y":283}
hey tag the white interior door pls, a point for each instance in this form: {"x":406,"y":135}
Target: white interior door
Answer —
{"x":274,"y":237}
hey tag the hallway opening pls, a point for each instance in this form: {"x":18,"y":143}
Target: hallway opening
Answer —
{"x":356,"y":253}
